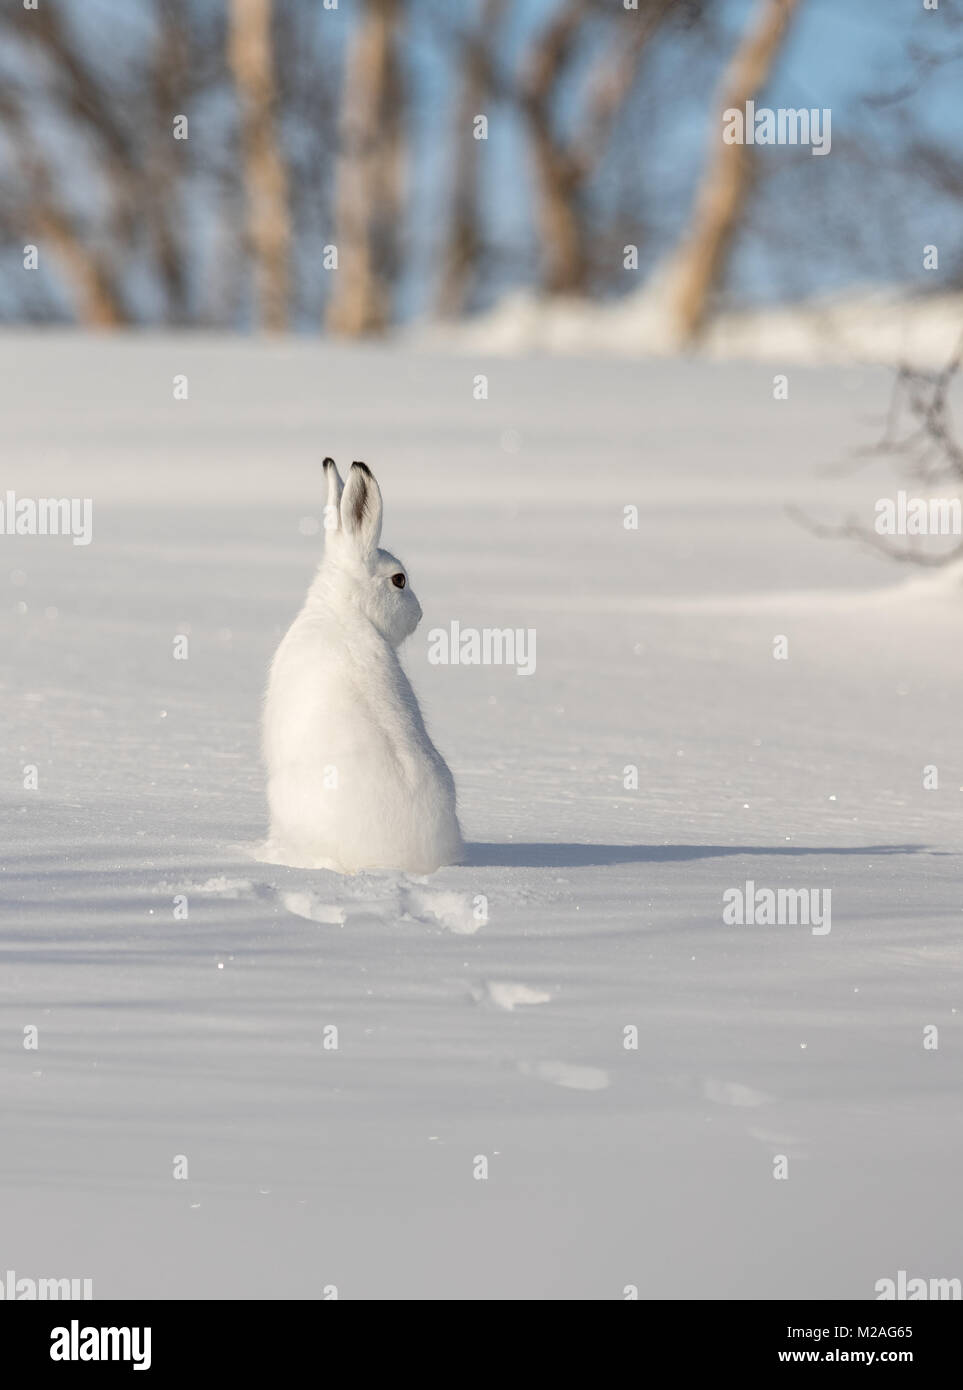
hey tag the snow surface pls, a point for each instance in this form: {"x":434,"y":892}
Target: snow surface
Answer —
{"x":873,"y":326}
{"x":311,"y":1167}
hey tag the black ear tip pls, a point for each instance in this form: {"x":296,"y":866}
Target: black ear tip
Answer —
{"x":363,"y":466}
{"x":328,"y":462}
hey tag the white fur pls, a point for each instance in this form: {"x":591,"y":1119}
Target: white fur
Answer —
{"x":340,"y":709}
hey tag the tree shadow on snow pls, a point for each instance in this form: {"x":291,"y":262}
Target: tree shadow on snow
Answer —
{"x":480,"y":855}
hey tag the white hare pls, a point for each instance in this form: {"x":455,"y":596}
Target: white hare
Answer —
{"x":354,"y":781}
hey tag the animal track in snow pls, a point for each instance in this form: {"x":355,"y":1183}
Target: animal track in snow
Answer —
{"x":234,"y":888}
{"x":308,"y":905}
{"x":388,"y":901}
{"x":565,"y":1074}
{"x":774,"y":1140}
{"x":507,"y":994}
{"x":435,"y":907}
{"x":733,"y":1093}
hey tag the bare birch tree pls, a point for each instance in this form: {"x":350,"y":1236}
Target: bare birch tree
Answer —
{"x":369,"y":176}
{"x":165,"y":161}
{"x":564,"y":166}
{"x":721,"y":199}
{"x":251,"y":54}
{"x":464,"y":243}
{"x":43,"y":217}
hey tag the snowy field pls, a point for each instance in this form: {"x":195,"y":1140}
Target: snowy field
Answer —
{"x":608,"y":1167}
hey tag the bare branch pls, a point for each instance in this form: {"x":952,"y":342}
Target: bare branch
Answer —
{"x":851,"y":529}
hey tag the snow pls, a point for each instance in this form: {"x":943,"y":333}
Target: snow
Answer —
{"x":484,"y":1011}
{"x":881,"y":325}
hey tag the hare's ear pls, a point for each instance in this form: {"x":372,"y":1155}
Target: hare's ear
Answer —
{"x":361,"y":507}
{"x":332,"y":506}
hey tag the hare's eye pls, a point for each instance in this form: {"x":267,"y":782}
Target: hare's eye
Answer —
{"x":398,"y":580}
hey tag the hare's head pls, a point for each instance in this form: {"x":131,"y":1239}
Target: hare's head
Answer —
{"x":360,"y":577}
